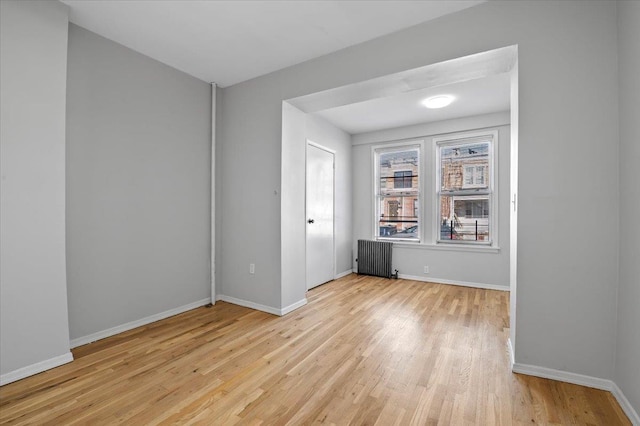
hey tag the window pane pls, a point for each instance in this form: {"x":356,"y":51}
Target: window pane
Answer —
{"x":464,"y":166}
{"x":464,"y":218}
{"x":480,"y":177}
{"x":468,"y":175}
{"x":398,"y":194}
{"x":398,"y":171}
{"x":403,"y":179}
{"x":398,"y":217}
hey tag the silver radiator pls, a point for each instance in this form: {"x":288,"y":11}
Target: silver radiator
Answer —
{"x":374,"y":258}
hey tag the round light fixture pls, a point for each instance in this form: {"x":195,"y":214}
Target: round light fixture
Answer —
{"x":438,"y":101}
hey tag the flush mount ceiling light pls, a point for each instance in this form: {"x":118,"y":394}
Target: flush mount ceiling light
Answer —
{"x":438,"y":101}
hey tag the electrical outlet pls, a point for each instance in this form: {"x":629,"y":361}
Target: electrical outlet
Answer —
{"x":426,"y":269}
{"x":252,"y":268}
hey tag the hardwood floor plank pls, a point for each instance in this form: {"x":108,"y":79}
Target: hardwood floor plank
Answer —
{"x":364,"y":350}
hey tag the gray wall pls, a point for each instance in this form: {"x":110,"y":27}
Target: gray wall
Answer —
{"x":627,"y":374}
{"x":138,"y":185}
{"x":248,"y":145}
{"x":490,"y":267}
{"x":33,"y":289}
{"x":566,"y":313}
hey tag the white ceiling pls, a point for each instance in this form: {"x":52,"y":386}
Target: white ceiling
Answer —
{"x":472,"y":97}
{"x":228,"y":42}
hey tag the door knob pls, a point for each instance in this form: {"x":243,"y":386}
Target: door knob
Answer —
{"x":310,"y":221}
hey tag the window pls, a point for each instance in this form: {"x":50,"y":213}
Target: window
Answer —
{"x":474,"y":176}
{"x":402,"y":179}
{"x":462,"y":207}
{"x":397,"y":192}
{"x":465,"y":189}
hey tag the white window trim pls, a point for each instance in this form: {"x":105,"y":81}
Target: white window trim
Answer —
{"x":394,"y":146}
{"x":460,"y":139}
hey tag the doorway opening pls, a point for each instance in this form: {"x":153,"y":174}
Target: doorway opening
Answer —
{"x":363,"y":102}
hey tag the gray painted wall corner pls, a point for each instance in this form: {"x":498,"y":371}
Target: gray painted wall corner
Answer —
{"x":138,"y":185}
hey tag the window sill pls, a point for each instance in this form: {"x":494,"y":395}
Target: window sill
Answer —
{"x":447,"y":247}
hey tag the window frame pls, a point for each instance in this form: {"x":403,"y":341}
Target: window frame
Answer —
{"x":376,"y":151}
{"x":460,"y":139}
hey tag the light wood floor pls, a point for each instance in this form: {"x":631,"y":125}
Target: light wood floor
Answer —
{"x":363,"y":351}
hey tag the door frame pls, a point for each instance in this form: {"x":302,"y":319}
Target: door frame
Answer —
{"x":306,"y":213}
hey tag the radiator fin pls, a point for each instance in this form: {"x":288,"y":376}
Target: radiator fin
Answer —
{"x":374,"y":258}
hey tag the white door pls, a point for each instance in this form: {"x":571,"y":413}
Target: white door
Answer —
{"x":320,"y":181}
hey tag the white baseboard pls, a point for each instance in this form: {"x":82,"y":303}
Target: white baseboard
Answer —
{"x":626,"y":405}
{"x":36,"y":368}
{"x":451,"y":282}
{"x":293,"y":307}
{"x":579,"y":379}
{"x":137,"y":323}
{"x":263,"y":308}
{"x":562,"y":376}
{"x":344,"y":274}
{"x":248,"y":304}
